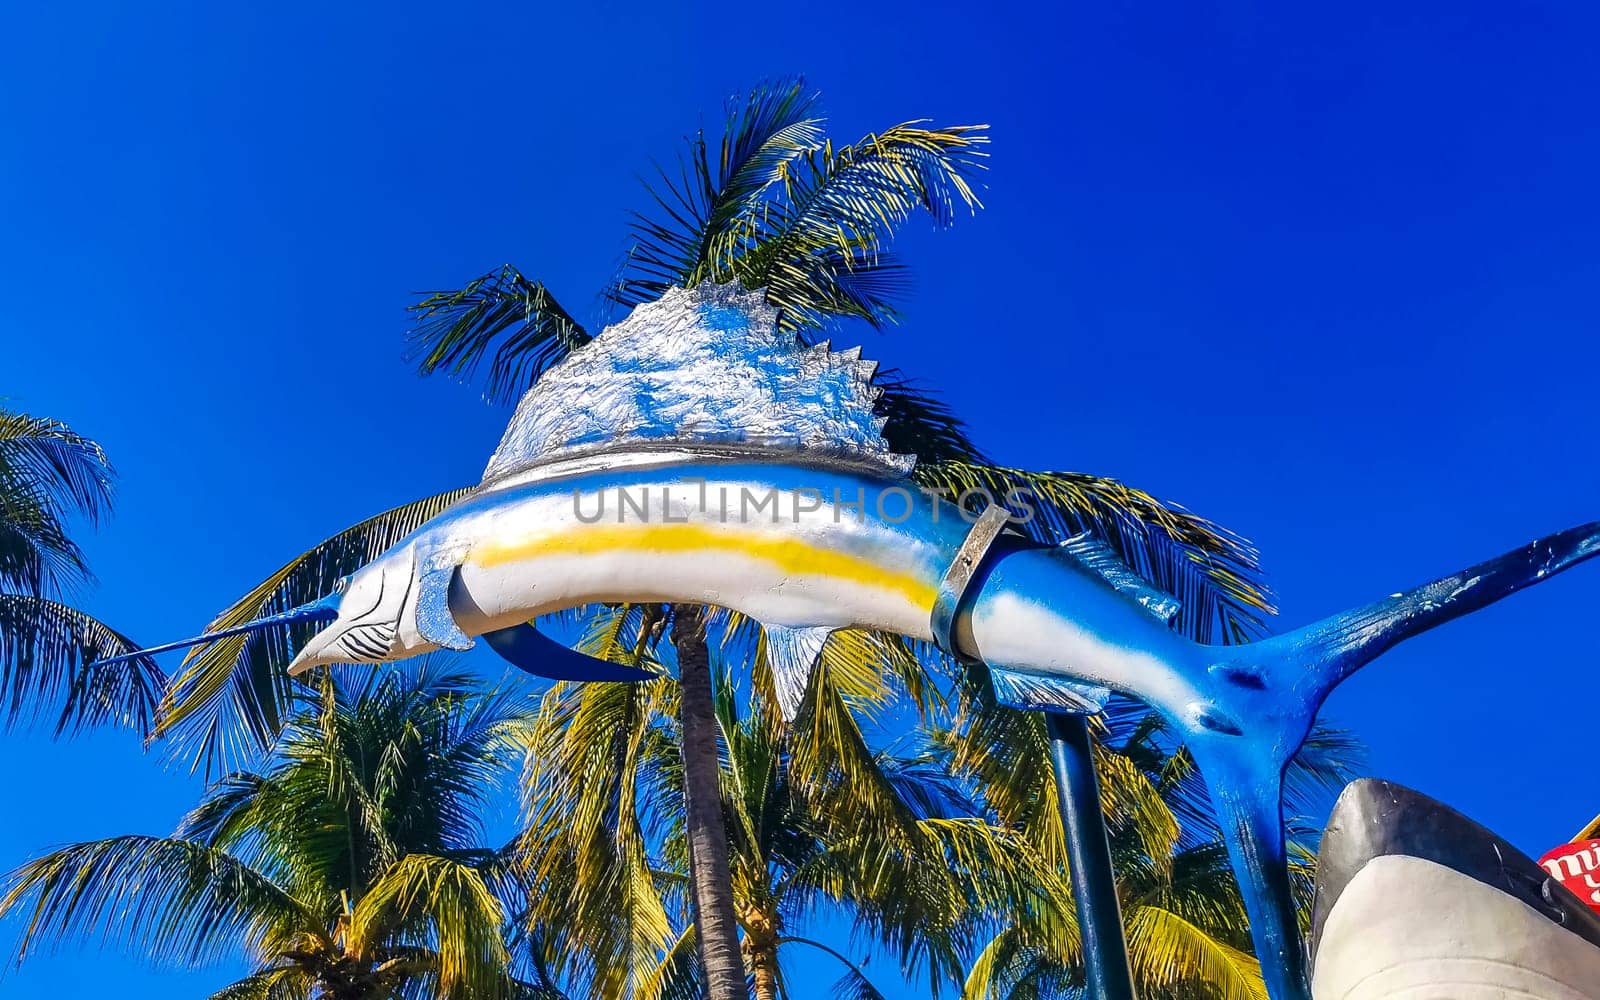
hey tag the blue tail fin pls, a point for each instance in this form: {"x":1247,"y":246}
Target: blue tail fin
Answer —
{"x":1273,"y":690}
{"x":1337,"y":647}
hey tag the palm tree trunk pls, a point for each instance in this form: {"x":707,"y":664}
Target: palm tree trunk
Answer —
{"x":764,"y":971}
{"x":762,"y":932}
{"x":716,"y":929}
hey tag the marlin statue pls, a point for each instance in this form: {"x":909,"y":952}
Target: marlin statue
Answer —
{"x":695,"y":454}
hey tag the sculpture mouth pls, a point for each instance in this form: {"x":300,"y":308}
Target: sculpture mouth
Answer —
{"x":369,"y":642}
{"x":310,"y":656}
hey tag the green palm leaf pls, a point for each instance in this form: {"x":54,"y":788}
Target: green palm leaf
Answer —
{"x":918,"y":422}
{"x":69,"y":471}
{"x":782,"y":210}
{"x":48,"y":474}
{"x":176,"y":901}
{"x":1187,"y":927}
{"x":1011,"y":965}
{"x":709,"y":214}
{"x":588,"y":839}
{"x":677,"y":975}
{"x":514,"y":323}
{"x":451,"y":904}
{"x":285,"y":983}
{"x":36,"y":554}
{"x":45,"y":651}
{"x":1167,"y":950}
{"x":820,"y":250}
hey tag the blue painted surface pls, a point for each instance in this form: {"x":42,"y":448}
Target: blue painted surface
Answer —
{"x":530,"y":650}
{"x":323,"y":609}
{"x":1341,"y":260}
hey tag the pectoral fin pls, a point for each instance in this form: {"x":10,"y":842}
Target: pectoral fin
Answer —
{"x":792,"y":653}
{"x":526,"y":648}
{"x":435,"y":623}
{"x":1051,"y":694}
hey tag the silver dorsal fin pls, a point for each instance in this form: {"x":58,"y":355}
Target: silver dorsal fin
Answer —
{"x":709,"y":366}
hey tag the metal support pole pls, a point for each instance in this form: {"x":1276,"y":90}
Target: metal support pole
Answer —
{"x":1094,"y":886}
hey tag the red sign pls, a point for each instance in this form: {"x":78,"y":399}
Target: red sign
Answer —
{"x":1577,"y":866}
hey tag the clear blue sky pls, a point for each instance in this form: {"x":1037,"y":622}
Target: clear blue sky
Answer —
{"x":1325,"y":275}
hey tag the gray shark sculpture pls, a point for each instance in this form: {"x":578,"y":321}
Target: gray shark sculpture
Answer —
{"x":1415,"y":900}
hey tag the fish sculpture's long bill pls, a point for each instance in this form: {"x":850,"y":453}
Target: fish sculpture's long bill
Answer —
{"x":322,"y":609}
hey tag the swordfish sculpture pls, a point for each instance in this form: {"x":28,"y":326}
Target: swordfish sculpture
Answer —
{"x":696,"y":454}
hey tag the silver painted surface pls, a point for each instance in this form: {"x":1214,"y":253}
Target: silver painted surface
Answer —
{"x":706,"y":365}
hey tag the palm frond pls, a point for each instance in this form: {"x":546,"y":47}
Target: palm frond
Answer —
{"x":45,"y":652}
{"x":706,"y":217}
{"x":452,"y":905}
{"x":404,"y":763}
{"x":892,"y":839}
{"x":177,"y":902}
{"x":70,"y":472}
{"x":822,"y":239}
{"x":1326,"y":762}
{"x":430,"y":745}
{"x":1168,"y":951}
{"x":226,"y":815}
{"x":992,"y":874}
{"x":282,"y":983}
{"x":511,"y":321}
{"x":854,"y":985}
{"x":1005,"y":752}
{"x":1134,"y":807}
{"x":917,"y":422}
{"x":36,"y":554}
{"x":1199,"y":888}
{"x":677,"y":975}
{"x":233,"y":695}
{"x":782,"y":210}
{"x":1023,"y":961}
{"x":594,"y":784}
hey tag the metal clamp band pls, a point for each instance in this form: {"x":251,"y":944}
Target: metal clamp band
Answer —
{"x":962,"y":569}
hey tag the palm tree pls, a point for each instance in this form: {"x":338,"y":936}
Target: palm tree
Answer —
{"x":49,"y":475}
{"x":349,"y":868}
{"x":817,"y":825}
{"x":774,"y":206}
{"x":1188,"y":934}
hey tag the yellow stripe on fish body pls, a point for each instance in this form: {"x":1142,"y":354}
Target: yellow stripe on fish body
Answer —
{"x":791,"y":555}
